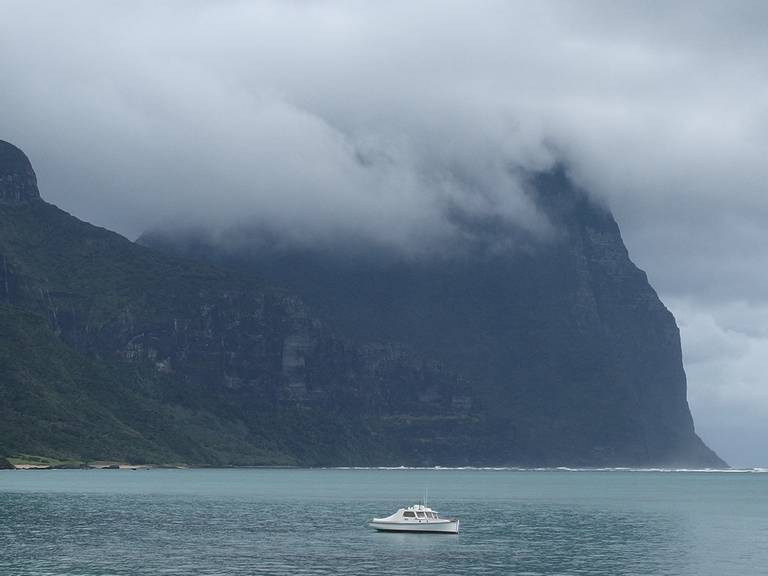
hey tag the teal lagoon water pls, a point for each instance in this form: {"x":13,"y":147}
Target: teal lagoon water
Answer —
{"x":294,"y":521}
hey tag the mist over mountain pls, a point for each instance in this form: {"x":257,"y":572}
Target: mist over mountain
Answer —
{"x":373,"y":122}
{"x":540,"y":353}
{"x":566,"y":348}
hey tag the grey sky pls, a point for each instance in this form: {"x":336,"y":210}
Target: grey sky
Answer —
{"x":327,"y":118}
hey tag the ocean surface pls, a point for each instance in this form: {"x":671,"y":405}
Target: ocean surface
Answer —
{"x":294,"y":521}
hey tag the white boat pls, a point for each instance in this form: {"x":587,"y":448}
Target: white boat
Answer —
{"x":416,"y":518}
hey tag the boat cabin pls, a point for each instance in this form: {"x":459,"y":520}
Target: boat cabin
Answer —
{"x":418,"y":512}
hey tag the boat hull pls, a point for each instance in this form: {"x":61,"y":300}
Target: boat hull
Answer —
{"x":434,"y":527}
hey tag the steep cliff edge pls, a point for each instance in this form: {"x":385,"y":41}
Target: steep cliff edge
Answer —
{"x":561,"y":355}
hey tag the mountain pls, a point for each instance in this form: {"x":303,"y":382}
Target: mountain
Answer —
{"x":568,"y":352}
{"x":554,"y":353}
{"x":109,"y":350}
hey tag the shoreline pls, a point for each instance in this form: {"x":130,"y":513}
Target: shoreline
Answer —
{"x":561,"y":469}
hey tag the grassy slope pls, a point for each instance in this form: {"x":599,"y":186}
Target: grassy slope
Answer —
{"x":49,"y":400}
{"x":58,"y":402}
{"x":58,"y":251}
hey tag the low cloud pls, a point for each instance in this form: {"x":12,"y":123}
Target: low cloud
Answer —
{"x":725,"y":349}
{"x":374,"y":121}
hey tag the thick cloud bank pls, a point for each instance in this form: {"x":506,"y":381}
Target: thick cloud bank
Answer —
{"x":377,"y":121}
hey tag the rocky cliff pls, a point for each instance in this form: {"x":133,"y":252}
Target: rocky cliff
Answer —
{"x":108,"y":349}
{"x":569,"y":355}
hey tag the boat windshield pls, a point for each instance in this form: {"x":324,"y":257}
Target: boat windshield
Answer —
{"x":408,"y":514}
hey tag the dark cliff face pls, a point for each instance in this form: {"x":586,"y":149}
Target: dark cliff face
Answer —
{"x":569,"y":356}
{"x":559,"y":355}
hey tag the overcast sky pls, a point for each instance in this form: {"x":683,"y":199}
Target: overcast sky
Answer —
{"x":328,"y":118}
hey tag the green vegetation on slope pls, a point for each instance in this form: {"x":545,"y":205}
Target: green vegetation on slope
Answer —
{"x":59,"y":403}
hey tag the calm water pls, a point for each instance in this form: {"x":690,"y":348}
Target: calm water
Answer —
{"x":169,"y":522}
